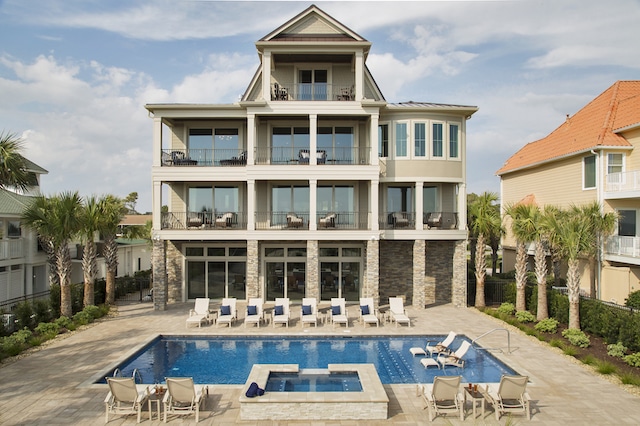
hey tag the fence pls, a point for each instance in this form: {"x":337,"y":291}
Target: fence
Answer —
{"x":134,"y":290}
{"x":495,"y":290}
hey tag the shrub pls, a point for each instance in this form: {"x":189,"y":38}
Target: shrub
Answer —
{"x":48,"y":329}
{"x":25,"y":315}
{"x":43,"y":310}
{"x":64,"y":322}
{"x":589,"y":360}
{"x":559,"y":307}
{"x":633,"y":359}
{"x":633,"y":301}
{"x":630,"y":379}
{"x":507,"y":308}
{"x":93,"y":311}
{"x":605,"y":367}
{"x":570,"y":350}
{"x":576,"y":337}
{"x":556,"y":343}
{"x":82,"y":318}
{"x":617,"y":350}
{"x":525,"y":316}
{"x":549,"y":325}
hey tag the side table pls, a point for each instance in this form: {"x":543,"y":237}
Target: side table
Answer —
{"x":475,"y":396}
{"x":156,"y":397}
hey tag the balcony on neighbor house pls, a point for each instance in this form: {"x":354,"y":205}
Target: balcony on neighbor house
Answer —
{"x":618,"y":245}
{"x":11,"y":249}
{"x":204,"y":220}
{"x":312,"y":92}
{"x":302,"y":156}
{"x":204,"y":157}
{"x":625,"y":185}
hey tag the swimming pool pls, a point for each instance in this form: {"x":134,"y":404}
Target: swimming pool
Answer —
{"x":228,"y":360}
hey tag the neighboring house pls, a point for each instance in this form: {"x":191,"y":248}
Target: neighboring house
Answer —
{"x":311,"y":185}
{"x":23,"y":263}
{"x":590,"y":157}
{"x":131,"y":220}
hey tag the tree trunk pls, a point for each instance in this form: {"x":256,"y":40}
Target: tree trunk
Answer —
{"x":64,"y":271}
{"x":521,"y":276}
{"x":541,"y":278}
{"x":480,"y":271}
{"x":573,"y":286}
{"x":592,"y":278}
{"x":111,"y":260}
{"x":89,"y":269}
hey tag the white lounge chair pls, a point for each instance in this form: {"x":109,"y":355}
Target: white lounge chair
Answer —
{"x":397,"y":311}
{"x":368,"y":312}
{"x":200,"y":312}
{"x":510,"y":396}
{"x":338,"y":311}
{"x":280,"y":313}
{"x":440,"y":347}
{"x":255,"y":312}
{"x":309,"y":313}
{"x":183,"y":397}
{"x":125,"y":398}
{"x":227,"y":313}
{"x":455,"y":359}
{"x":444,"y":397}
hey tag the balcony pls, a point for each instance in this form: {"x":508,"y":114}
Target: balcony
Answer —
{"x":397,"y":220}
{"x":11,"y":249}
{"x":282,"y":220}
{"x":430,"y":220}
{"x":623,"y":185}
{"x":204,"y":220}
{"x":302,"y":156}
{"x":440,"y":220}
{"x":617,"y":245}
{"x":312,"y":92}
{"x":325,"y":221}
{"x":204,"y":157}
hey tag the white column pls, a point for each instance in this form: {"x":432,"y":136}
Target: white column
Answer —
{"x":462,"y":206}
{"x":156,"y":205}
{"x":373,"y":140}
{"x":313,"y":139}
{"x":251,"y":138}
{"x":419,"y":205}
{"x":313,"y":189}
{"x":157,"y":141}
{"x":375,"y":213}
{"x":266,"y":75}
{"x":251,"y":204}
{"x":359,"y":74}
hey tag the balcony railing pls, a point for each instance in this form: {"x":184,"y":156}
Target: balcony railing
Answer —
{"x":312,"y":92}
{"x":430,"y":220}
{"x":342,"y":220}
{"x":11,"y":249}
{"x":397,"y":220}
{"x":299,"y":155}
{"x":623,"y":246}
{"x":204,"y":157}
{"x":282,"y":220}
{"x":300,"y":221}
{"x":204,"y":220}
{"x":440,"y":220}
{"x":622,"y":182}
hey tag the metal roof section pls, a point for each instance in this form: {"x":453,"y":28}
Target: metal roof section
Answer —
{"x":12,"y":203}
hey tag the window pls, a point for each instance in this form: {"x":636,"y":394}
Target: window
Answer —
{"x":437,"y":141}
{"x":13,"y":230}
{"x":401,"y":139}
{"x":420,"y":139}
{"x":430,"y":199}
{"x":615,"y":163}
{"x":627,"y":223}
{"x":285,"y":199}
{"x":589,"y":170}
{"x":383,"y":140}
{"x":286,"y":143}
{"x":400,"y":199}
{"x":338,"y":144}
{"x":312,"y":85}
{"x":453,"y":140}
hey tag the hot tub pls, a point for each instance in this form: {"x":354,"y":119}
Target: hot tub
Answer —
{"x":314,"y":380}
{"x":315,"y":403}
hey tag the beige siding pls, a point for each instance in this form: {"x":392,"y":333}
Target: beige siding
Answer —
{"x":621,"y":280}
{"x":177,"y":137}
{"x":632,"y":160}
{"x":313,"y":25}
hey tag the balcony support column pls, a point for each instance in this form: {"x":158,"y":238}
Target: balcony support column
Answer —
{"x":156,"y":203}
{"x":159,"y":275}
{"x":419,"y":271}
{"x":373,"y":207}
{"x":462,"y":206}
{"x":266,"y":75}
{"x":373,"y":139}
{"x":251,"y":138}
{"x":251,"y":205}
{"x":419,"y":206}
{"x":313,"y":207}
{"x":312,"y":288}
{"x":372,"y":283}
{"x":313,"y":139}
{"x":359,"y":74}
{"x":157,"y":142}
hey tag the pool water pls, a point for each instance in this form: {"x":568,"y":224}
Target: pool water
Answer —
{"x":228,"y":360}
{"x":313,"y":382}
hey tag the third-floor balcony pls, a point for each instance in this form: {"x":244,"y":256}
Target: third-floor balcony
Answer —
{"x":311,"y":92}
{"x":204,"y":157}
{"x":623,"y":246}
{"x":623,"y":185}
{"x":11,"y":249}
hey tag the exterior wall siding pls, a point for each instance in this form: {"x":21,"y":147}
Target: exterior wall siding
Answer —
{"x":396,"y":270}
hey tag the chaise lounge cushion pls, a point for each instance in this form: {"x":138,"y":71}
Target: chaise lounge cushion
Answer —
{"x":252,"y":310}
{"x":335,"y":310}
{"x":225,"y":310}
{"x":365,"y":309}
{"x":306,"y":309}
{"x":278,"y":310}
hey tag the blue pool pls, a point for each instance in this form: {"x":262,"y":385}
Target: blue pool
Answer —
{"x":314,"y":382}
{"x":228,"y":360}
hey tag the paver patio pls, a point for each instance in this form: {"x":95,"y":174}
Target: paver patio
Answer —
{"x":53,"y":386}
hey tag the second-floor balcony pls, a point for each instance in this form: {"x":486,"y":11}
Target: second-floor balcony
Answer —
{"x":430,"y":220}
{"x":11,"y":249}
{"x":204,"y":220}
{"x":627,"y":182}
{"x":302,"y":155}
{"x":618,"y":245}
{"x":204,"y":157}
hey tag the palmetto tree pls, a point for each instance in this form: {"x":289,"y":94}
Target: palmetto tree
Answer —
{"x":13,"y":166}
{"x":112,"y":210}
{"x":485,"y":222}
{"x":36,"y":217}
{"x":90,"y":218}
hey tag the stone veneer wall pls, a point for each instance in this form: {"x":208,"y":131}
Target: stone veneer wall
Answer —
{"x":312,"y":289}
{"x":252,"y":277}
{"x":159,"y":266}
{"x":439,"y":271}
{"x":396,"y":270}
{"x":460,"y":274}
{"x":419,"y":268}
{"x":175,"y":262}
{"x":372,"y":271}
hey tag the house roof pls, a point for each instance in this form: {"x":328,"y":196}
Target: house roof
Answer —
{"x":593,"y":127}
{"x":12,"y":203}
{"x":431,"y":106}
{"x":135,"y":219}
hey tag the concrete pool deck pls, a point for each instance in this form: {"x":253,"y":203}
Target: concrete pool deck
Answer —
{"x":51,"y":386}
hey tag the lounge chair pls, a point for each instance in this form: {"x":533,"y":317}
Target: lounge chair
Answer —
{"x":125,"y":398}
{"x":280,"y":313}
{"x":328,"y":221}
{"x":368,"y":312}
{"x":444,"y":397}
{"x":183,"y":397}
{"x":309,"y":312}
{"x":227,"y":313}
{"x":200,"y":312}
{"x":338,"y":311}
{"x":510,"y":396}
{"x":455,"y":359}
{"x":441,"y":347}
{"x":294,"y":221}
{"x":255,"y":312}
{"x":397,"y":312}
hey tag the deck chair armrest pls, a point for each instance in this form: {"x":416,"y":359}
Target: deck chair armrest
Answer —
{"x":143,"y":394}
{"x":109,"y":398}
{"x":166,"y":398}
{"x":191,"y":312}
{"x":526,"y":397}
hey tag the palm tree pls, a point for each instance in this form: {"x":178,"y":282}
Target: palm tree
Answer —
{"x":90,"y":224}
{"x":573,"y":235}
{"x":524,"y":226}
{"x":602,"y":225}
{"x":13,"y":166}
{"x":112,"y":210}
{"x":486,"y":221}
{"x":36,"y":217}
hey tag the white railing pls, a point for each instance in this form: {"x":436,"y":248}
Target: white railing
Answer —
{"x":623,"y":246}
{"x":621,"y":182}
{"x":11,"y":249}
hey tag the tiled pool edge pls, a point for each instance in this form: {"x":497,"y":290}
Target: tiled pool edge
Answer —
{"x":370,"y":404}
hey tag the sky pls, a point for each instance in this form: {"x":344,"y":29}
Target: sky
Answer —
{"x":75,"y":74}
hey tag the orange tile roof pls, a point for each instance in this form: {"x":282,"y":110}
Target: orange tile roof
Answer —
{"x":590,"y":128}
